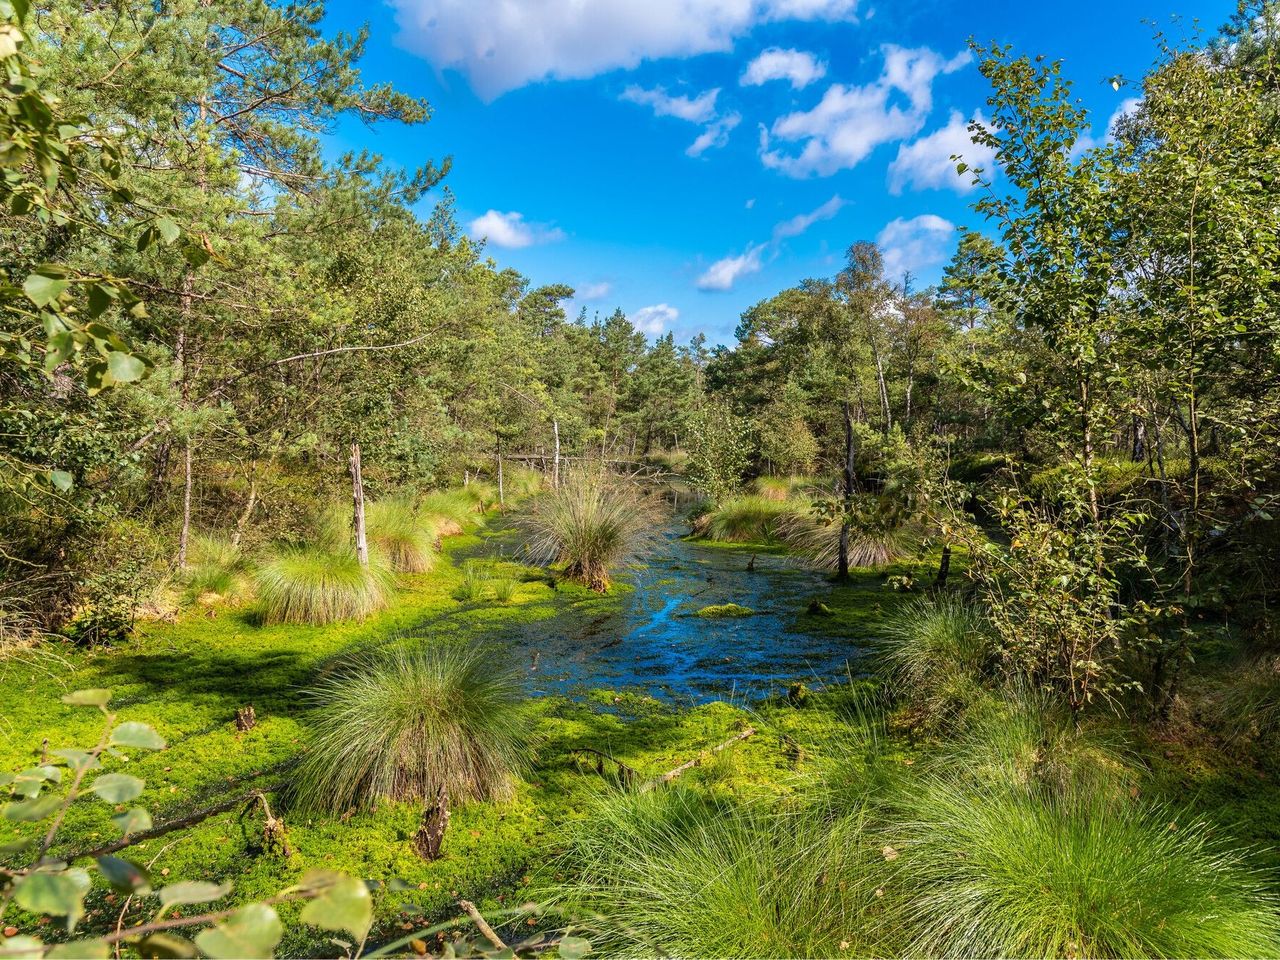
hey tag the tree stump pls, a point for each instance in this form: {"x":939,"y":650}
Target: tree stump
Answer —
{"x":435,"y":819}
{"x":246,"y":718}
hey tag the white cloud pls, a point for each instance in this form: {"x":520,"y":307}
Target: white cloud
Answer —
{"x":699,"y":109}
{"x":803,"y":221}
{"x":500,"y":45}
{"x":716,"y":135}
{"x":927,"y":162}
{"x":1089,"y":142}
{"x":849,"y":122}
{"x":916,"y":244}
{"x":512,"y":230}
{"x":593,"y":291}
{"x":655,"y":319}
{"x":724,"y":273}
{"x":795,"y":66}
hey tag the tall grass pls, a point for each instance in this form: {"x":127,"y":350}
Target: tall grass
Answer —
{"x":779,"y":488}
{"x":986,"y":870}
{"x":1248,"y":707}
{"x":936,"y":652}
{"x":482,"y":494}
{"x":400,"y":724}
{"x":591,"y":524}
{"x":448,"y":510}
{"x":749,"y":518}
{"x":474,"y":584}
{"x":671,"y":873}
{"x":521,"y":482}
{"x":403,"y":533}
{"x":308,"y":585}
{"x":217,"y":566}
{"x":817,"y":539}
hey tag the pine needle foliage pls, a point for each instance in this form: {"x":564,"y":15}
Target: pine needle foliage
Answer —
{"x":590,"y":525}
{"x":310,"y":585}
{"x":403,"y":722}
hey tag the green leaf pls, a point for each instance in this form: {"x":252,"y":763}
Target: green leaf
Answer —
{"x":42,"y":290}
{"x":59,"y":894}
{"x":16,"y":846}
{"x":31,"y":811}
{"x":573,"y":948}
{"x":81,"y":950}
{"x":166,"y":946}
{"x":134,"y":734}
{"x":132,"y":821}
{"x":61,"y":480}
{"x":95,"y":697}
{"x":78,"y":759}
{"x":21,"y":948}
{"x":125,"y":875}
{"x":193,"y":891}
{"x":169,"y":231}
{"x":342,"y":903}
{"x":251,"y":931}
{"x":118,"y":787}
{"x":125,"y":367}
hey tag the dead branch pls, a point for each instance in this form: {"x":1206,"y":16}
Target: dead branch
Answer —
{"x":697,"y":761}
{"x":481,"y":924}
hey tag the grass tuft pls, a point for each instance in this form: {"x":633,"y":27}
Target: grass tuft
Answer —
{"x":816,"y":538}
{"x":474,"y":584}
{"x":935,"y":652}
{"x":745,"y":519}
{"x":218,"y":566}
{"x":401,"y":723}
{"x":591,"y":524}
{"x":306,"y":585}
{"x":402,"y":533}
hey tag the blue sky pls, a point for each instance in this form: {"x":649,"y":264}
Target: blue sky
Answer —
{"x":683,"y":159}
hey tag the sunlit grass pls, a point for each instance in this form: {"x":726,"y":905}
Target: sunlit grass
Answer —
{"x":309,"y":585}
{"x":402,"y":723}
{"x":748,"y":518}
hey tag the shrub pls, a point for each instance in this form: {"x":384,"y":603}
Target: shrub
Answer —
{"x":670,"y":873}
{"x":474,"y":585}
{"x":402,"y":533}
{"x":402,"y":723}
{"x":592,"y":523}
{"x":307,"y":585}
{"x":747,"y":518}
{"x":993,"y":871}
{"x":936,"y":651}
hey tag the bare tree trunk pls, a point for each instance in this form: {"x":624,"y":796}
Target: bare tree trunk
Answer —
{"x":184,"y":538}
{"x":555,"y":426}
{"x":502,"y":496}
{"x":357,"y":502}
{"x":247,"y":512}
{"x":842,"y":570}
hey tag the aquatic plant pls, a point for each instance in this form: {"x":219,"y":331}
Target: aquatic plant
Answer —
{"x":718,"y":611}
{"x":474,"y":584}
{"x":747,"y":518}
{"x":592,"y":523}
{"x":309,"y":585}
{"x":401,"y":723}
{"x":669,"y":872}
{"x":990,"y":870}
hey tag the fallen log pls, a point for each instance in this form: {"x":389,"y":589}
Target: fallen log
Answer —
{"x":697,"y":761}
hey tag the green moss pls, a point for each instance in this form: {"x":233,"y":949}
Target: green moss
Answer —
{"x":718,"y":611}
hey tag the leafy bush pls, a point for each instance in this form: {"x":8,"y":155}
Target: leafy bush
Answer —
{"x":671,"y":873}
{"x":719,"y":449}
{"x":747,"y":518}
{"x":402,"y":723}
{"x":307,"y":585}
{"x":592,"y":523}
{"x":993,"y":871}
{"x":936,"y":651}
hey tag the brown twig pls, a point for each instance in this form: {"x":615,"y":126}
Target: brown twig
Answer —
{"x":697,"y":761}
{"x":482,"y":924}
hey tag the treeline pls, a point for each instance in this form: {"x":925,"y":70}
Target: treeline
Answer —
{"x":1097,"y":377}
{"x":171,"y":222}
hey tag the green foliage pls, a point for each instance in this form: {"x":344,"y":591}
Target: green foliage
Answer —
{"x":474,"y":585}
{"x":307,"y":585}
{"x":504,"y":588}
{"x":404,"y":723}
{"x":719,"y":449}
{"x":1248,"y":705}
{"x":589,"y":525}
{"x":450,"y":509}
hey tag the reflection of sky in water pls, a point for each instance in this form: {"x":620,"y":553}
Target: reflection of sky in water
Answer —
{"x":655,"y":642}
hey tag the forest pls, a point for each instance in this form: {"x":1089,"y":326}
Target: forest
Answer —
{"x":357,"y":600}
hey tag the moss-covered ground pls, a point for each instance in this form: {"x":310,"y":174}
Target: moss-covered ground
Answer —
{"x":188,"y":678}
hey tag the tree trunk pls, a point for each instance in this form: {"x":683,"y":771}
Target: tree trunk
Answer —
{"x":944,"y":566}
{"x":842,"y":571}
{"x":555,"y":426}
{"x":184,"y":538}
{"x":247,"y":512}
{"x":357,"y":502}
{"x":502,"y":496}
